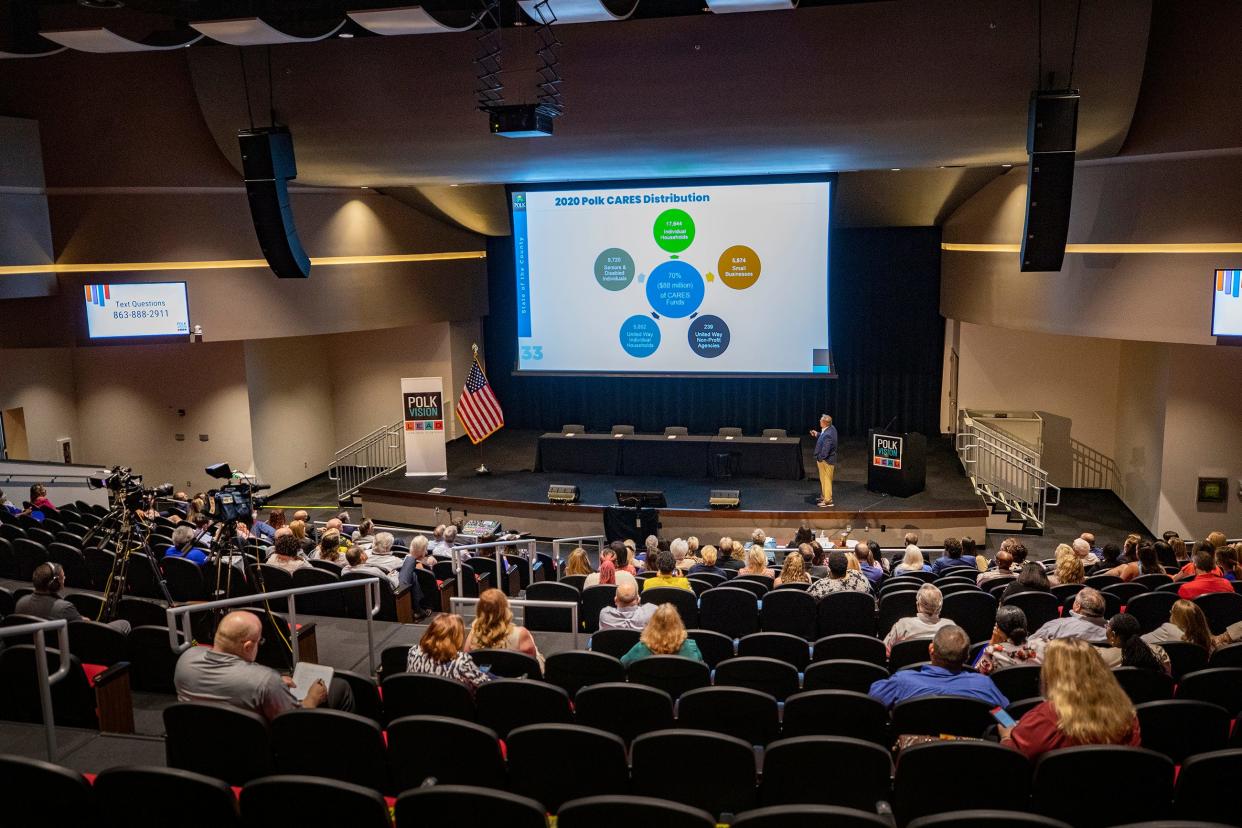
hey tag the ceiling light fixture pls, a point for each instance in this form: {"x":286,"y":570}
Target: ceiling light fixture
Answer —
{"x":101,"y":4}
{"x":345,"y":35}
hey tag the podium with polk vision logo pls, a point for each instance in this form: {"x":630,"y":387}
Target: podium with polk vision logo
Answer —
{"x":897,"y":463}
{"x":422,"y":403}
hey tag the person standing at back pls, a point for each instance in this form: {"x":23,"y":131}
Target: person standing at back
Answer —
{"x":825,"y":458}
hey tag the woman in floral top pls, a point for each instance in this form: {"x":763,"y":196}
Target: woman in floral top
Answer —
{"x":1009,"y":646}
{"x":840,"y":578}
{"x":439,"y":653}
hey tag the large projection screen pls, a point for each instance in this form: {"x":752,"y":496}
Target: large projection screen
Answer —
{"x":674,"y":278}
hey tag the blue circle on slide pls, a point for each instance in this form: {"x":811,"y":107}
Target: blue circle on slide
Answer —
{"x":675,"y":289}
{"x":640,"y":336}
{"x":709,"y":336}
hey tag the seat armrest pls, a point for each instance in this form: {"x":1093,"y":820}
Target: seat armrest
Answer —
{"x":308,"y":643}
{"x":113,"y":699}
{"x":405,"y":605}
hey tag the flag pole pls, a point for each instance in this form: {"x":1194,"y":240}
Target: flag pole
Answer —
{"x":482,"y":468}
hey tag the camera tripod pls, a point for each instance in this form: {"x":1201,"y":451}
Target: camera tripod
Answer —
{"x":126,"y":531}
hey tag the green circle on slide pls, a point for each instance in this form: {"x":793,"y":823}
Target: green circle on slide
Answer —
{"x":674,"y":230}
{"x":614,"y":269}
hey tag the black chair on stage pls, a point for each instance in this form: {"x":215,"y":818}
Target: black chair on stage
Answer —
{"x":785,"y":763}
{"x":745,"y":714}
{"x":302,"y":800}
{"x":546,"y":763}
{"x":628,"y":710}
{"x":453,"y":751}
{"x":836,"y":713}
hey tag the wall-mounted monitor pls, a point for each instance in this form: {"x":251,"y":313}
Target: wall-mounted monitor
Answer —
{"x":1227,"y":303}
{"x":137,"y":310}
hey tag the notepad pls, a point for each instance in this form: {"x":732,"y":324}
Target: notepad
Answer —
{"x":306,"y":674}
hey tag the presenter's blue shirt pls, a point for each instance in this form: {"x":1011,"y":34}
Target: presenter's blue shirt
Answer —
{"x":826,"y":445}
{"x":936,"y":681}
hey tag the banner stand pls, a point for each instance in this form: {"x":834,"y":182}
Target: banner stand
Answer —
{"x":422,"y":405}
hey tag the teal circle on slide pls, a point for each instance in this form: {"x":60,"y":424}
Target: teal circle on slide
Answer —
{"x":614,"y":269}
{"x":675,"y":289}
{"x":640,"y":336}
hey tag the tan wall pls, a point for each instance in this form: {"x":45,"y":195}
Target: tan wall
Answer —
{"x":1142,"y":391}
{"x":41,"y":382}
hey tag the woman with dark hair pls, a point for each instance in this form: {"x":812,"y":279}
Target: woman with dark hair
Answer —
{"x":1031,"y":578}
{"x":38,"y":498}
{"x":868,"y":564}
{"x":1165,"y":554}
{"x":1010,"y":645}
{"x":1227,"y":562}
{"x":1126,"y":647}
{"x":803,"y":535}
{"x":1148,"y":563}
{"x":1112,"y":557}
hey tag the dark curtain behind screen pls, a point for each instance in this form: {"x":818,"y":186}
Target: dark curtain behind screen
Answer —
{"x":887,"y":339}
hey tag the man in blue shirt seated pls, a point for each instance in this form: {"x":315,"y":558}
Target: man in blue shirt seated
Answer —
{"x":952,"y":558}
{"x":943,"y":677}
{"x":184,"y":546}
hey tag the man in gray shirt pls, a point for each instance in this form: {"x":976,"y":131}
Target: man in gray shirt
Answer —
{"x":1085,"y":620}
{"x":48,"y":580}
{"x":628,"y":614}
{"x":226,"y":672}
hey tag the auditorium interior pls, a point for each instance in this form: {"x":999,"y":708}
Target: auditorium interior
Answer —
{"x":272,"y":407}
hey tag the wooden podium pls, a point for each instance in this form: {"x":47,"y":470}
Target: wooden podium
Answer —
{"x":897,"y":463}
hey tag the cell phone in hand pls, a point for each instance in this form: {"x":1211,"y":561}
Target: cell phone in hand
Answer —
{"x":1002,"y":717}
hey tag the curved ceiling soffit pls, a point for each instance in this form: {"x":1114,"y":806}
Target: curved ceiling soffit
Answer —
{"x":254,"y":31}
{"x":100,"y":40}
{"x":579,"y":11}
{"x":407,"y":20}
{"x":420,"y":127}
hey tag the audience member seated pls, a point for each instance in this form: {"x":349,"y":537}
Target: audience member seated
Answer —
{"x":1231,"y":635}
{"x":306,"y":544}
{"x":493,"y":627}
{"x":414,"y":561}
{"x":813,"y":558}
{"x":1019,"y":552}
{"x":1031,"y":578}
{"x":266,"y":529}
{"x":867,"y":563}
{"x":730,"y":555}
{"x":681,"y":555}
{"x":1126,"y":647}
{"x":792,"y":571}
{"x":1214,"y":541}
{"x":840,"y":578}
{"x":951,"y":558}
{"x":970,"y":554}
{"x":38,"y":499}
{"x":945,"y":675}
{"x":226,"y":672}
{"x":1010,"y":645}
{"x":707,"y":564}
{"x":923,"y":625}
{"x":48,"y":579}
{"x":1081,"y":547}
{"x":358,"y":560}
{"x":609,"y":573}
{"x":245,"y":533}
{"x":1085,"y":620}
{"x":665,"y":634}
{"x":1111,"y":557}
{"x":1083,"y":705}
{"x":1207,"y":578}
{"x":1227,"y":563}
{"x":756,"y":562}
{"x":666,"y":573}
{"x":444,"y":549}
{"x":1004,"y":560}
{"x":578,"y":564}
{"x":1148,"y":563}
{"x":287,"y":554}
{"x":330,"y":548}
{"x":1186,"y":623}
{"x":628,"y":614}
{"x":8,"y":505}
{"x":1069,"y":569}
{"x":364,"y":535}
{"x":1095,"y":554}
{"x":185,"y":542}
{"x":440,"y":653}
{"x":912,"y":561}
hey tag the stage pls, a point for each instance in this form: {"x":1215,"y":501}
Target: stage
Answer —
{"x":516,"y":495}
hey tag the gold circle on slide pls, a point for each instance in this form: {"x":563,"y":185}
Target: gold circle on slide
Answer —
{"x":739,"y":267}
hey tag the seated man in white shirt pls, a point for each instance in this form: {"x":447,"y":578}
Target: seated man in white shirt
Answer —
{"x":380,"y":554}
{"x":359,"y":561}
{"x":444,"y":548}
{"x":628,"y":614}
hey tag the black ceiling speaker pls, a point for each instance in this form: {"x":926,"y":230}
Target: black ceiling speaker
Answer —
{"x":1051,"y":134}
{"x":267,"y":166}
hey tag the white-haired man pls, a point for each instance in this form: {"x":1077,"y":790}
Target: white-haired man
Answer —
{"x":1082,"y":549}
{"x":925,"y":624}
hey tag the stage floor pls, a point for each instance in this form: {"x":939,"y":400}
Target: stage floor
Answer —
{"x":510,"y":455}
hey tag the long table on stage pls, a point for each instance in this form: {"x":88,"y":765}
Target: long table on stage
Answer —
{"x":652,"y":455}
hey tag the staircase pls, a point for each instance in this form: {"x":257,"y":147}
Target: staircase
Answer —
{"x":1005,"y":472}
{"x":379,"y":453}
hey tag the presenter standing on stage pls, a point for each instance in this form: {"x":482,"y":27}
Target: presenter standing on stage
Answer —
{"x":825,"y":458}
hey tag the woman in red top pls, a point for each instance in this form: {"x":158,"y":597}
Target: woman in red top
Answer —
{"x":1084,"y":704}
{"x":38,"y":498}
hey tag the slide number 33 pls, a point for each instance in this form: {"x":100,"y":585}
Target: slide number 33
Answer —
{"x":532,"y":353}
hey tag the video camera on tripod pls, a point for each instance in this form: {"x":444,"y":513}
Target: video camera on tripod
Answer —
{"x":234,"y":500}
{"x":125,"y":488}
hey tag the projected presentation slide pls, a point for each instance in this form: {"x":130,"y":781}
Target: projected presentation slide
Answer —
{"x":1227,"y":304}
{"x":712,"y":277}
{"x":136,"y":310}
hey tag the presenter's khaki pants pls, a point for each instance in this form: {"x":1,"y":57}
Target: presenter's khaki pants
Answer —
{"x":825,"y":479}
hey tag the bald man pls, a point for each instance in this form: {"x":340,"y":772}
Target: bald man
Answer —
{"x":226,"y":672}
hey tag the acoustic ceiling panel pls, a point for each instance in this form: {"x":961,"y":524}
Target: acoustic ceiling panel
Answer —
{"x":252,"y":31}
{"x":104,"y":41}
{"x":730,"y":6}
{"x":576,"y":11}
{"x":407,"y":20}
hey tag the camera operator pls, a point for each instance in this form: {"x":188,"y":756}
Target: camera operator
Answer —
{"x":45,"y":602}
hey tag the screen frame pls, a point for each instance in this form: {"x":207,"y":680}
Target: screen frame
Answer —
{"x":829,"y":178}
{"x":86,"y":340}
{"x":1234,"y":340}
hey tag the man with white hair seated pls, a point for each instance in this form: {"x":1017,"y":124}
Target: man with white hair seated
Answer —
{"x":923,"y":625}
{"x":681,"y":554}
{"x":444,"y":549}
{"x":628,"y":614}
{"x":1082,"y":548}
{"x":380,"y":554}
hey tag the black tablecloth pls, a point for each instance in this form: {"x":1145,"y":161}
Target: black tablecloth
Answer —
{"x":648,"y":455}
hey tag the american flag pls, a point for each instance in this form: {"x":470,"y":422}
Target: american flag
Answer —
{"x":477,"y":408}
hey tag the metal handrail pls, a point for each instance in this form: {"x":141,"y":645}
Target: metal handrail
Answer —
{"x":365,"y":439}
{"x":523,"y":603}
{"x":46,"y":680}
{"x":998,"y":462}
{"x":529,"y":543}
{"x":370,"y":588}
{"x":380,"y":450}
{"x":577,"y":541}
{"x":1000,"y":436}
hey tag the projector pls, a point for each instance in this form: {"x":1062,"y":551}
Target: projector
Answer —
{"x":522,"y":120}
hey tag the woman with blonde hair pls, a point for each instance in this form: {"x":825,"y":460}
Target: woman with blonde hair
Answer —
{"x":439,"y":652}
{"x":912,"y":561}
{"x":665,"y":634}
{"x":1083,"y":704}
{"x":707,"y":564}
{"x":1069,"y":570}
{"x":757,"y":562}
{"x":577,"y":563}
{"x":1186,"y":623}
{"x":493,"y":627}
{"x":298,"y":528}
{"x":793,"y":571}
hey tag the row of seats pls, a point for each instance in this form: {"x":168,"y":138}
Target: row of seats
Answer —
{"x":545,"y":762}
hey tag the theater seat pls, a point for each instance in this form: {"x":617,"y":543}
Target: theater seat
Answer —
{"x":63,"y":796}
{"x":447,"y":805}
{"x":299,"y":800}
{"x":630,"y":811}
{"x":204,"y":738}
{"x":453,"y":751}
{"x":152,"y":797}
